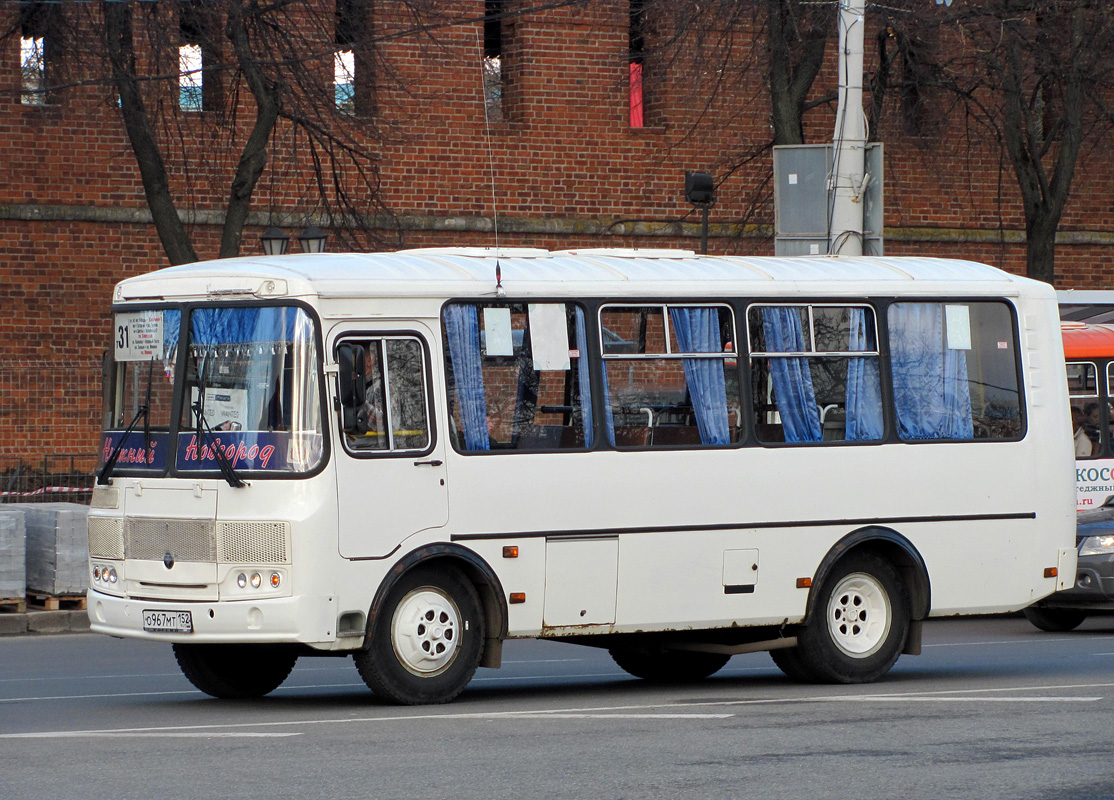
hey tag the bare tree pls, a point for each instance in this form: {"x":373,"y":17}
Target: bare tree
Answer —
{"x":797,"y":34}
{"x":1033,"y":73}
{"x":264,"y":70}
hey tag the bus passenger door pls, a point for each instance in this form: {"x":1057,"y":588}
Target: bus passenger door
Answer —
{"x":390,"y":468}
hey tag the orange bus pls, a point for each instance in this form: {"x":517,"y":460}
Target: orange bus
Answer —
{"x":1089,"y":353}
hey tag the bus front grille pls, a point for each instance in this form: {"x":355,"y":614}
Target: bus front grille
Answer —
{"x":106,"y":537}
{"x":192,"y":540}
{"x":186,"y":540}
{"x":252,"y":542}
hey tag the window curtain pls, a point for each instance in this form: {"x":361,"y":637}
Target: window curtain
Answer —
{"x":635,"y":94}
{"x":864,"y":393}
{"x":583,"y":378}
{"x":608,"y":414}
{"x":171,"y":330}
{"x":462,"y":329}
{"x":697,"y":331}
{"x":931,"y":392}
{"x":793,"y":391}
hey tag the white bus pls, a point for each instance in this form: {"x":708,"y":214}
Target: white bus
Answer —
{"x":411,"y":457}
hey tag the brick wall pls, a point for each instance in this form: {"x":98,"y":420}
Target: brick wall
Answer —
{"x":564,"y":165}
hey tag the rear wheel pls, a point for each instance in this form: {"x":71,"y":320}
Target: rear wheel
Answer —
{"x":859,"y":625}
{"x":235,"y":671}
{"x":788,"y":660}
{"x":1055,"y":620}
{"x":667,"y":666}
{"x":426,"y":644}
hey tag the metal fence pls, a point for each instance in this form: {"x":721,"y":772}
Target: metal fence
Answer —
{"x":56,"y":477}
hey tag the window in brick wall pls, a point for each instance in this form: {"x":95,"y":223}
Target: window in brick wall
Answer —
{"x":33,"y":68}
{"x":38,"y":43}
{"x":199,"y":88}
{"x":493,"y":66}
{"x":344,"y":80}
{"x":190,"y":81}
{"x":636,"y":58}
{"x":353,"y":74}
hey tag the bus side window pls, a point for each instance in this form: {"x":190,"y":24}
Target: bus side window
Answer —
{"x":671,"y":374}
{"x":814,"y":373}
{"x":955,"y":371}
{"x":517,"y":376}
{"x":395,"y":413}
{"x":1083,"y":394}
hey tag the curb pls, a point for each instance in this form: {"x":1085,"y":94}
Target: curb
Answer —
{"x":41,"y":622}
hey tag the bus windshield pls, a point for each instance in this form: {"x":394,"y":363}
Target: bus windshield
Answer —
{"x":249,"y":395}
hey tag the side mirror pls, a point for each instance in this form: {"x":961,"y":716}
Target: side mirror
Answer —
{"x":353,"y":387}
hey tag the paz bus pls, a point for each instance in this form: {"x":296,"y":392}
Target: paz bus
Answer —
{"x":409,"y":458}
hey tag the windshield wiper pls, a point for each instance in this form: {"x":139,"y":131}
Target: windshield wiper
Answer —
{"x":104,"y":477}
{"x":226,"y":468}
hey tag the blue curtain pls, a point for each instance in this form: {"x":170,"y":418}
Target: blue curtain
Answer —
{"x":864,"y":393}
{"x":931,"y":393}
{"x":793,"y":392}
{"x":171,"y":330}
{"x":210,"y":326}
{"x":583,"y":379}
{"x":698,"y":331}
{"x":462,"y":329}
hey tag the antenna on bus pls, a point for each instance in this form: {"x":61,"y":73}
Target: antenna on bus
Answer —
{"x":492,"y":64}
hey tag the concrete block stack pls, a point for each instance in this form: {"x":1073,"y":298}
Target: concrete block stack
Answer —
{"x":57,"y":547}
{"x":13,"y":554}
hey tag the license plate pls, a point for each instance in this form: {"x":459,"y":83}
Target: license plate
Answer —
{"x":168,"y":621}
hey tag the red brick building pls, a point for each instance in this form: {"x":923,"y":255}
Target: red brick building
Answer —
{"x":556,"y":156}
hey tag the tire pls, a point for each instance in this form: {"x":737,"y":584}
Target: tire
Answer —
{"x":1055,"y":620}
{"x":858,"y":625}
{"x":788,"y":660}
{"x":427,"y":642}
{"x":235,"y":671}
{"x":667,"y":666}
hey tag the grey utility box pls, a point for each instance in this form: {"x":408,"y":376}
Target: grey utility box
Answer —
{"x":803,"y":201}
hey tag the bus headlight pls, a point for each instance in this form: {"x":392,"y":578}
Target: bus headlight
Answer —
{"x":256,"y":580}
{"x":242,"y":580}
{"x":1097,"y":545}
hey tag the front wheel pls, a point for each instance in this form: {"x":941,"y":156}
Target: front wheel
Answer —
{"x":859,"y":625}
{"x":426,"y":644}
{"x":235,"y":671}
{"x":1055,"y":620}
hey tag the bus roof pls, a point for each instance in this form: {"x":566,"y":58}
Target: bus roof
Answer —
{"x":1087,"y":341}
{"x":472,"y":272}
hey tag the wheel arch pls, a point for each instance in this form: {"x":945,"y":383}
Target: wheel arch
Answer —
{"x":475,"y":569}
{"x":888,"y":544}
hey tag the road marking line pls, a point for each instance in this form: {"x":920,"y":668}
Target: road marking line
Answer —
{"x":639,"y":710}
{"x":561,"y":715}
{"x":1037,"y":638}
{"x":964,"y":699}
{"x":152,"y":735}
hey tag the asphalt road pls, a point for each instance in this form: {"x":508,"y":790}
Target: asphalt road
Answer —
{"x":992,"y":709}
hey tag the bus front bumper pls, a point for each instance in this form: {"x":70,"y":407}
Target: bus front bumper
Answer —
{"x":307,"y":620}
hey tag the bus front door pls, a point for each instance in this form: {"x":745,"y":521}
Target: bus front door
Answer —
{"x":391,"y":471}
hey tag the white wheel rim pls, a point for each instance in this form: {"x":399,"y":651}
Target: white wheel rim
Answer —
{"x":859,"y":615}
{"x":425,"y":632}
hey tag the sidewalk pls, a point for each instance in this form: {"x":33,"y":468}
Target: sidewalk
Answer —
{"x":37,"y":622}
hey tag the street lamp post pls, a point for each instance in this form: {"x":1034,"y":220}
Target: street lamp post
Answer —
{"x":700,"y":190}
